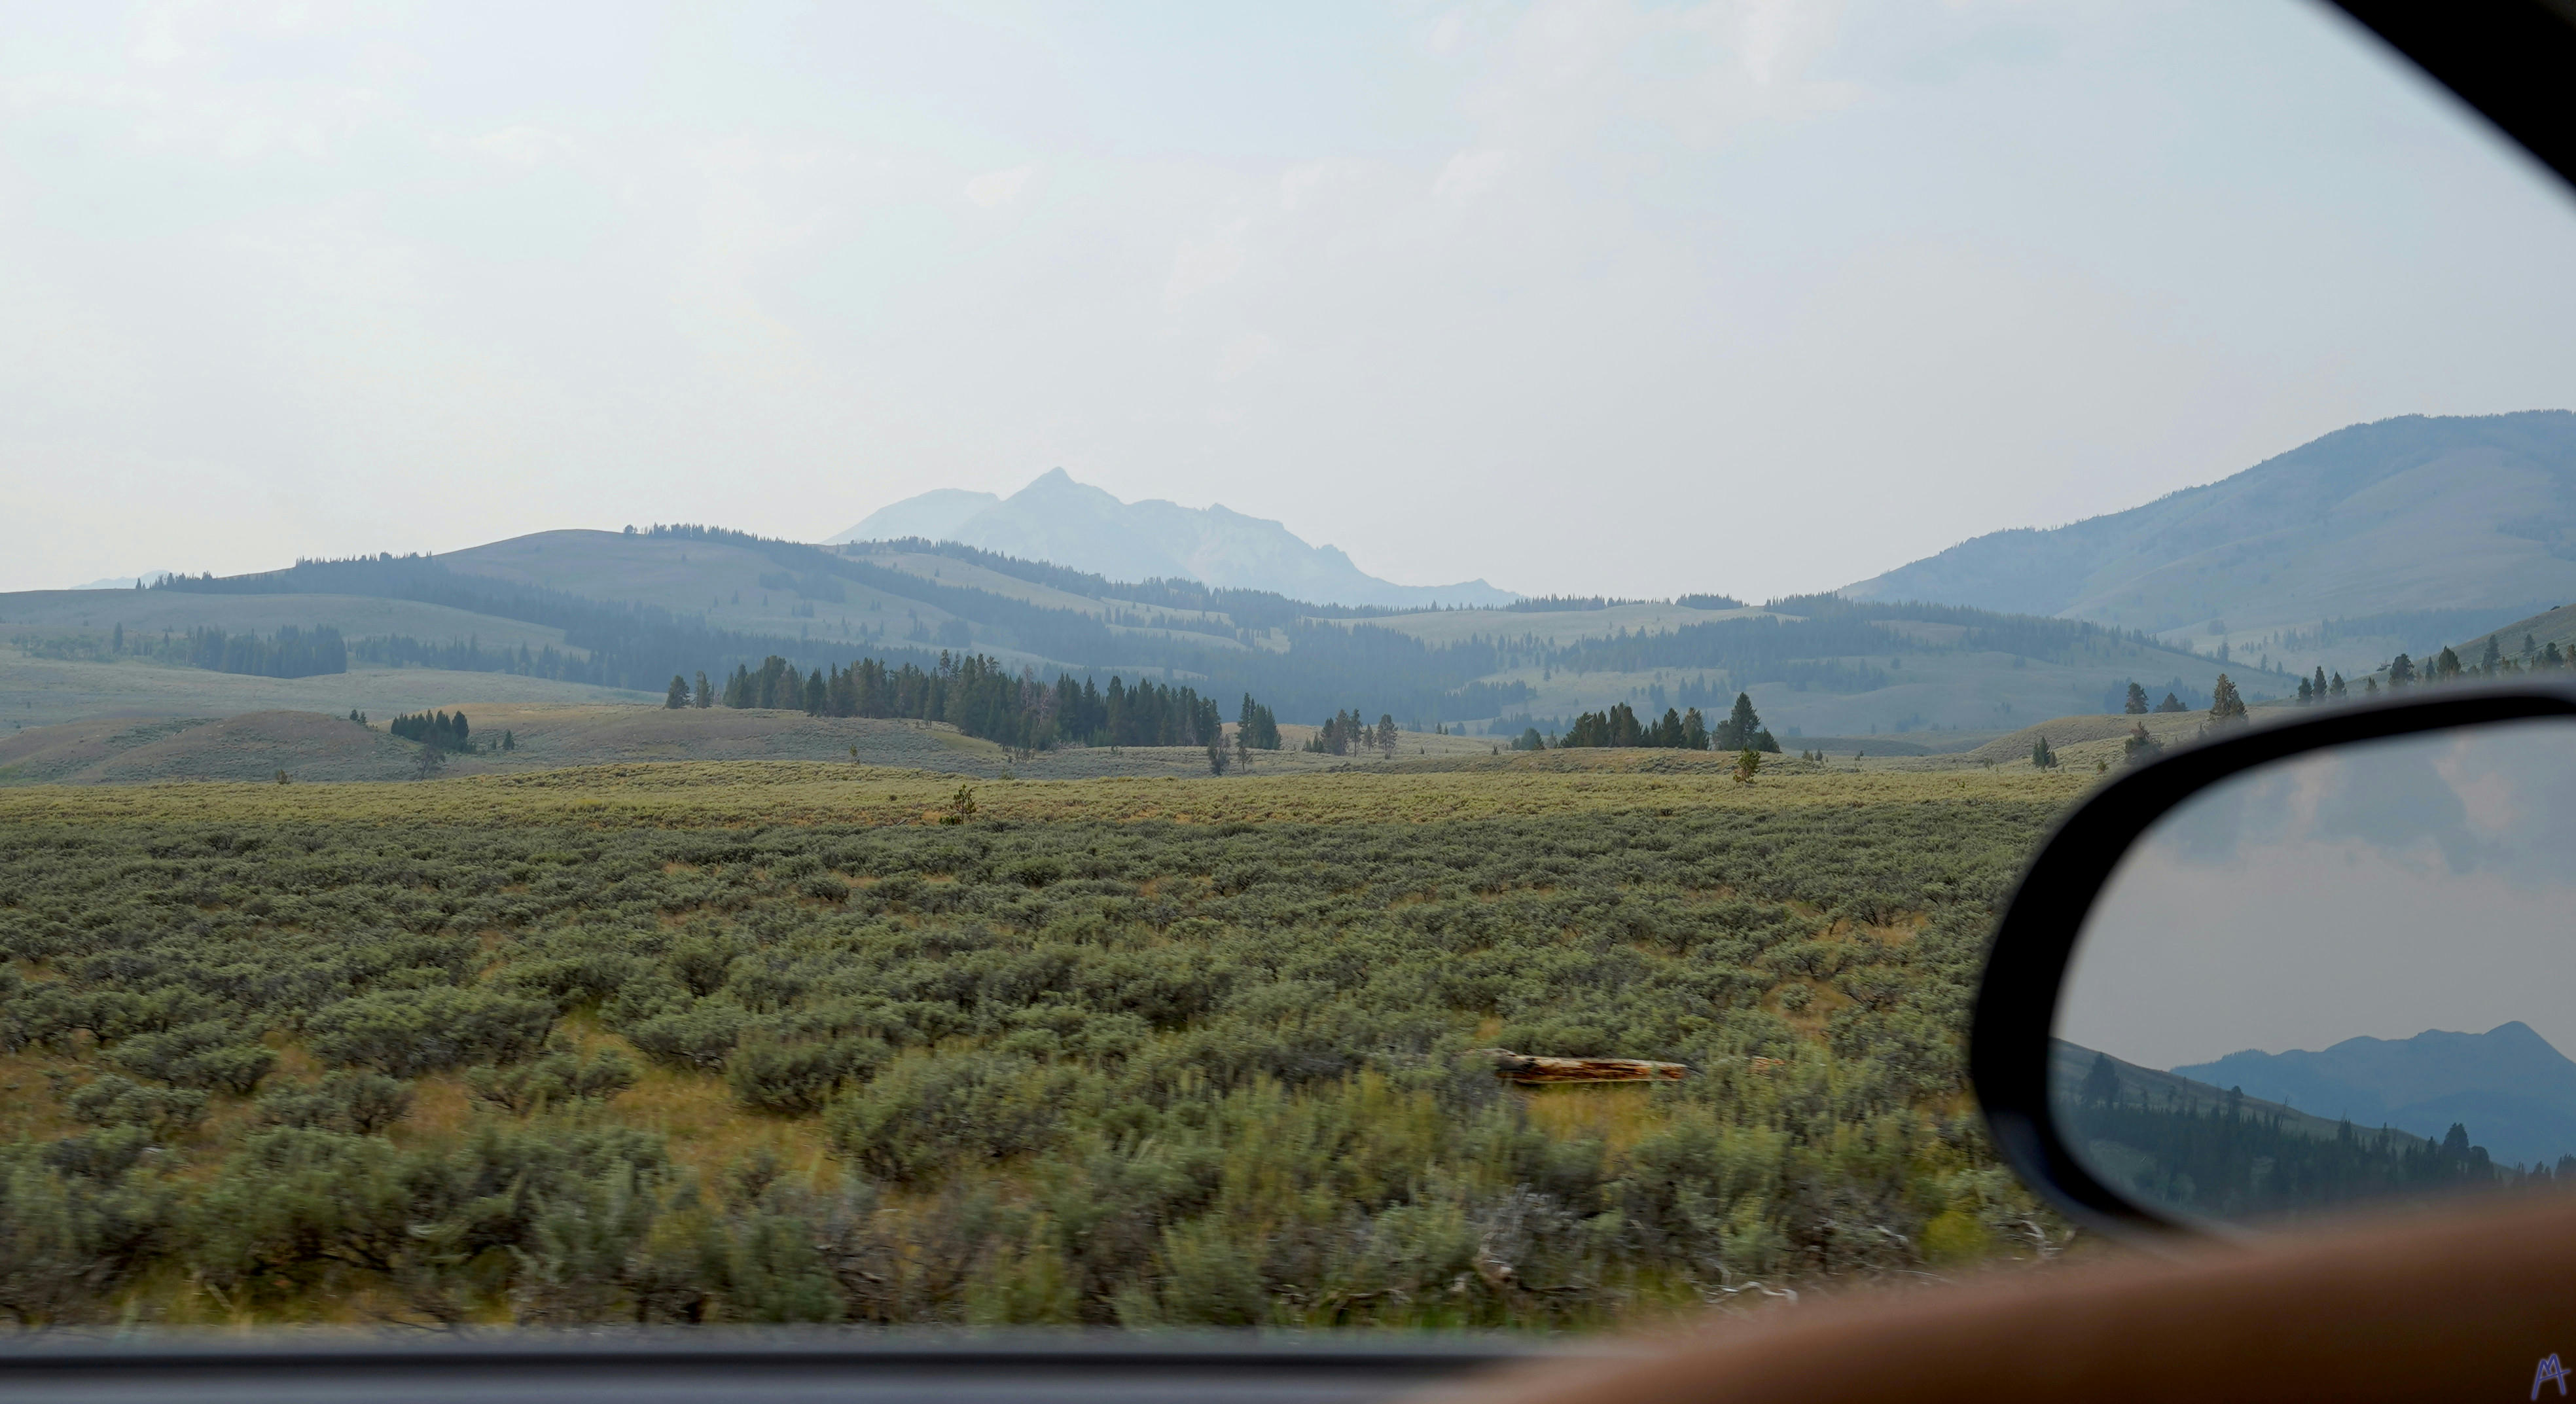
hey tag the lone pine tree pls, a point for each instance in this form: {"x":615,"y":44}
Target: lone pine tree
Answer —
{"x":2225,"y":706}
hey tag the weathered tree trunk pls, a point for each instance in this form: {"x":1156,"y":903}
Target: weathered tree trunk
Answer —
{"x":1531,"y":1070}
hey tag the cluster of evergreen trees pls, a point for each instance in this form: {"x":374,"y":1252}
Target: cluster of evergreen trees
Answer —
{"x":2404,"y":670}
{"x":2137,"y":705}
{"x":981,"y":697}
{"x":2447,"y":666}
{"x":289,"y":653}
{"x":2230,"y":1160}
{"x":1256,"y":727}
{"x":1344,"y":732}
{"x":2321,"y":688}
{"x":1742,"y":730}
{"x":1619,"y":727}
{"x":437,"y":730}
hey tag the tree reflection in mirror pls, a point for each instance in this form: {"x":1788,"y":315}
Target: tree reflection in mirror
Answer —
{"x":2336,"y":978}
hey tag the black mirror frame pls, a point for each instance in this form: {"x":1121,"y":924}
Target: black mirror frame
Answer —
{"x":2016,"y":1006}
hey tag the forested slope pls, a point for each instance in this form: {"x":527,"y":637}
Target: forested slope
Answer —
{"x":632,"y":611}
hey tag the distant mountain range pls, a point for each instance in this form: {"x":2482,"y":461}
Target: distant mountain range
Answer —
{"x":123,"y":582}
{"x":1067,"y":523}
{"x":2514,"y":1092}
{"x":2437,"y":523}
{"x":2407,"y":533}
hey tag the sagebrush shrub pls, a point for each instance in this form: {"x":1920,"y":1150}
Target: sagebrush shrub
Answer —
{"x":405,"y":1033}
{"x":790,"y":1079}
{"x":358,"y":1102}
{"x":110,"y":1100}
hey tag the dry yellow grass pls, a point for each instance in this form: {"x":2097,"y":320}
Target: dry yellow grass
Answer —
{"x":694,"y":794}
{"x":1617,"y":1114}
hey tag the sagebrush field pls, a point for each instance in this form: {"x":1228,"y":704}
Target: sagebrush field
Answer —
{"x":804,"y":1043}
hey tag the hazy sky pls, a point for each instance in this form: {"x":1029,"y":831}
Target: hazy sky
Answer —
{"x":2377,"y":891}
{"x":1757,"y":296}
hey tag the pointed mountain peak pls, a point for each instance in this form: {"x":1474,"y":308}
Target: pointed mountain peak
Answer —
{"x":1070,"y":523}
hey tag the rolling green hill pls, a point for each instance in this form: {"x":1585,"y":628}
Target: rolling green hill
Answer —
{"x":2375,"y":539}
{"x":568,"y":617}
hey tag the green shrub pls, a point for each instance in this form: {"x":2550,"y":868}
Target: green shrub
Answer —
{"x":69,"y":1242}
{"x":405,"y":1033}
{"x":356,"y":1102}
{"x":209,"y":1054}
{"x":923,"y":1112}
{"x":568,"y":982}
{"x":556,"y":1079}
{"x":111,"y":1100}
{"x":791,"y":1079}
{"x":701,"y":1036}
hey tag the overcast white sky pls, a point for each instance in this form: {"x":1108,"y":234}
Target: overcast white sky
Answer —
{"x":1596,"y":295}
{"x":2373,"y":891}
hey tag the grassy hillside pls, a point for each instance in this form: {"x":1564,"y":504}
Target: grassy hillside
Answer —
{"x":1553,"y":626}
{"x":631,"y":610}
{"x":51,"y":616}
{"x":715,"y":581}
{"x":253,"y":746}
{"x":2374,"y":539}
{"x":775,"y":1042}
{"x":41,"y":691}
{"x":1829,"y":667}
{"x":2531,"y":634}
{"x":312,"y":747}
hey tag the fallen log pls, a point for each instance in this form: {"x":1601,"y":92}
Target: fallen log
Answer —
{"x":1530,"y":1069}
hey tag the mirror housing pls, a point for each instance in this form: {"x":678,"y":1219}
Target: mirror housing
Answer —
{"x":2011,"y":1029}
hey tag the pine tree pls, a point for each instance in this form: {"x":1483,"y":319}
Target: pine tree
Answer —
{"x":1737,"y":731}
{"x":2140,"y":747}
{"x":2401,"y":672}
{"x":678,"y":696}
{"x":2102,"y":1082}
{"x":1386,"y":734}
{"x":2137,"y":703}
{"x":2494,"y":656}
{"x":2335,"y":687}
{"x":2041,"y":757}
{"x":2319,"y":683}
{"x":2306,"y":696}
{"x":704,"y":698}
{"x":2225,"y":706}
{"x":2447,"y":666}
{"x":2171,"y":704}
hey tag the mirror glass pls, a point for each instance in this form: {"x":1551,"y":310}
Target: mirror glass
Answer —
{"x":2341,"y":977}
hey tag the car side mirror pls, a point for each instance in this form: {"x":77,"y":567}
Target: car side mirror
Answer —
{"x":2296,"y":970}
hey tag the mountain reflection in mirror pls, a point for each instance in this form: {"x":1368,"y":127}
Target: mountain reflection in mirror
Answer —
{"x":2334,"y":978}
